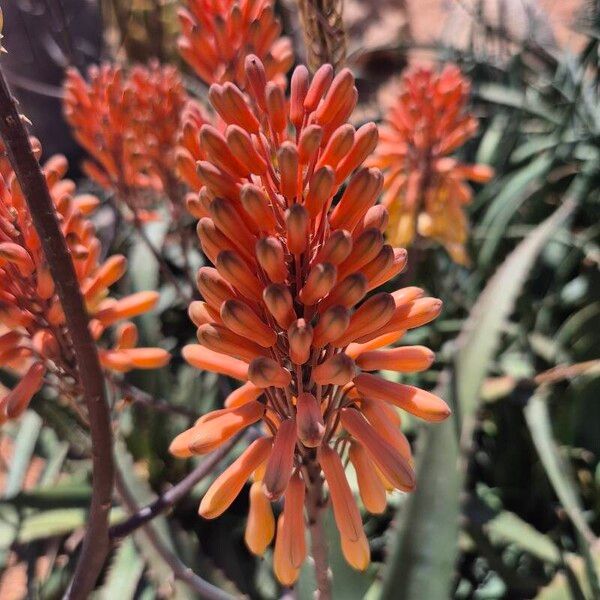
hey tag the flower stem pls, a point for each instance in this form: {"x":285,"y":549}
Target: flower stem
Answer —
{"x":39,"y":202}
{"x":314,"y":507}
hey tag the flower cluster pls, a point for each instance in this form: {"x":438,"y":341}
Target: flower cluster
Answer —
{"x":34,"y":336}
{"x":217,"y":35}
{"x":284,"y":311}
{"x":425,"y":188}
{"x":129,"y":124}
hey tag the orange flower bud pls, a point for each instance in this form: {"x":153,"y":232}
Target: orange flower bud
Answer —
{"x":257,"y":79}
{"x":298,"y":90}
{"x":205,"y":359}
{"x":285,"y":572}
{"x":229,"y":221}
{"x":406,"y":295}
{"x":358,"y":197}
{"x":220,"y":339}
{"x":13,"y":253}
{"x":339,"y":369}
{"x":357,"y":553}
{"x":257,"y":206}
{"x":213,"y":287}
{"x":410,"y":315}
{"x":337,"y":147}
{"x":309,"y":142}
{"x":271,"y":258}
{"x":380,"y":264}
{"x":45,"y":283}
{"x":17,"y":400}
{"x":241,"y":319}
{"x":234,"y":270}
{"x":377,"y":217}
{"x":385,"y":420}
{"x":418,"y":402}
{"x":276,"y":108}
{"x":230,"y":104}
{"x":281,"y":460}
{"x":219,"y":182}
{"x":127,"y":336}
{"x":287,"y":158}
{"x":215,"y":145}
{"x":364,"y":249}
{"x":128,"y":307}
{"x":341,"y":86}
{"x":300,"y":336}
{"x":243,"y":148}
{"x":319,"y":283}
{"x":279,"y":302}
{"x":291,"y":537}
{"x":372,"y":490}
{"x":243,"y":394}
{"x":365,"y":141}
{"x":148,"y":358}
{"x":309,"y":420}
{"x":260,"y":526}
{"x":389,"y":270}
{"x":345,"y":510}
{"x":207,"y":435}
{"x":212,"y":239}
{"x":320,"y":190}
{"x":264,"y":372}
{"x":228,"y":485}
{"x":110,"y":272}
{"x":372,"y":315}
{"x":336,"y":249}
{"x":296,"y":219}
{"x":391,"y":463}
{"x":408,"y":359}
{"x":115,"y":360}
{"x":347,"y":293}
{"x":201,"y":313}
{"x":332,"y":325}
{"x":318,"y":87}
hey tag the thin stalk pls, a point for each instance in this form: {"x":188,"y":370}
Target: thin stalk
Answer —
{"x":172,"y":496}
{"x":33,"y":184}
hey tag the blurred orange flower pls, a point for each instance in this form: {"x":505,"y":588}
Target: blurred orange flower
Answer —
{"x":425,"y":189}
{"x":34,"y":337}
{"x":217,"y":35}
{"x":129,"y":124}
{"x":284,"y":311}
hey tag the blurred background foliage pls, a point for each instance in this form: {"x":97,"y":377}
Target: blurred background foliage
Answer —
{"x":508,"y":498}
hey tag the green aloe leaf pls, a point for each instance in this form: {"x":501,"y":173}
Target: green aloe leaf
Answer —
{"x":124,"y":573}
{"x":27,"y":436}
{"x":515,"y":191}
{"x":55,"y":522}
{"x":482,"y":330}
{"x":504,"y":527}
{"x":425,"y":549}
{"x":422,"y":561}
{"x":560,"y":476}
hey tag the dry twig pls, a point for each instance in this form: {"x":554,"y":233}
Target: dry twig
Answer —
{"x":324,"y":32}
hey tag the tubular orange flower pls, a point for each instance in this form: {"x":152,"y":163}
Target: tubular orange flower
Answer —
{"x":217,"y":35}
{"x":36,"y":337}
{"x":425,"y":189}
{"x":129,"y":124}
{"x":286,"y":308}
